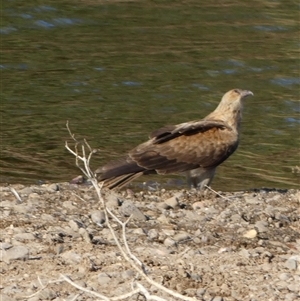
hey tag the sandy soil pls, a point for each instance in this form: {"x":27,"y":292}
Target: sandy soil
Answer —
{"x":242,"y":246}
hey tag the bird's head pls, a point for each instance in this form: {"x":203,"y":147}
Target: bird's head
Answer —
{"x":230,"y":107}
{"x":233,"y":98}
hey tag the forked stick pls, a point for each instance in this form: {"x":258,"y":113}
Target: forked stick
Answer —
{"x":126,"y":253}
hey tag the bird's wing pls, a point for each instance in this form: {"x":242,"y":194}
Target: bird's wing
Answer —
{"x":204,"y":143}
{"x":188,"y":128}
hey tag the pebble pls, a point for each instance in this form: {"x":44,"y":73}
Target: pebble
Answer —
{"x":169,"y":242}
{"x":85,"y":235}
{"x":98,"y":217}
{"x":181,"y":237}
{"x":103,"y":279}
{"x":261,"y":226}
{"x":173,"y":202}
{"x":52,"y":188}
{"x":284,"y":276}
{"x":25,"y":191}
{"x":74,"y":225}
{"x":128,"y":208}
{"x":252,"y":200}
{"x":71,"y":257}
{"x":250,"y":234}
{"x":47,"y":294}
{"x":112,"y":201}
{"x":291,"y":264}
{"x":24,"y":236}
{"x":152,"y":234}
{"x":16,"y":253}
{"x":201,"y":252}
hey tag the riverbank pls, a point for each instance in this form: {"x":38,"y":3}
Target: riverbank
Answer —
{"x":238,"y":246}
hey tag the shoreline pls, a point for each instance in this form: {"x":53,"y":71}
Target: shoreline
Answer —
{"x":242,"y":245}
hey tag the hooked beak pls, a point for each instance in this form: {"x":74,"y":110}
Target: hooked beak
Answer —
{"x":246,"y":93}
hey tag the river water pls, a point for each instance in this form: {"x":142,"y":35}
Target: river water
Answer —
{"x":118,"y":70}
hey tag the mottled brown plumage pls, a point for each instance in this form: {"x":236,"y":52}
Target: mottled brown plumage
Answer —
{"x":195,"y":147}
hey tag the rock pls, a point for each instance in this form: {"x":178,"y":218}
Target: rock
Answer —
{"x":169,"y":242}
{"x":112,"y":201}
{"x":71,"y":257}
{"x":16,"y":253}
{"x":284,"y":276}
{"x":291,"y":263}
{"x":85,"y":235}
{"x":69,"y":205}
{"x":181,"y":237}
{"x":74,"y":225}
{"x":47,"y":294}
{"x":261,"y":226}
{"x":198,"y":205}
{"x":245,"y":253}
{"x":52,"y":188}
{"x":24,"y":236}
{"x":250,"y":234}
{"x":25,"y":191}
{"x":173,"y":202}
{"x":252,"y":200}
{"x":98,"y":217}
{"x":5,"y":246}
{"x":128,"y":208}
{"x":103,"y":279}
{"x":152,"y":234}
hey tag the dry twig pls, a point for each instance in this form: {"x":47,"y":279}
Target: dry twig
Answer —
{"x":125,"y":251}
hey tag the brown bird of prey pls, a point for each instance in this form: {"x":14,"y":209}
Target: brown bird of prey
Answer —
{"x":194,"y":147}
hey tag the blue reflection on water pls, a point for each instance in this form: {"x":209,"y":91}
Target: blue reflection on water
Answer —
{"x":269,"y":28}
{"x":44,"y":8}
{"x":43,"y":24}
{"x":7,"y":30}
{"x":292,"y":120}
{"x":285,"y":82}
{"x":25,"y":16}
{"x":200,"y":87}
{"x":131,"y":83}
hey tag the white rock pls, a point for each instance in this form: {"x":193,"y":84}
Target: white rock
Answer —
{"x":250,"y":234}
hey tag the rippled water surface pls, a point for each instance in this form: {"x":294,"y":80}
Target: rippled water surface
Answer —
{"x":118,"y":70}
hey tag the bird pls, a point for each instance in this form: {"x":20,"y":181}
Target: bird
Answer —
{"x":195,"y":148}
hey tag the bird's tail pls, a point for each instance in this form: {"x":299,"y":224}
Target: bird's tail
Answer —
{"x":118,"y":173}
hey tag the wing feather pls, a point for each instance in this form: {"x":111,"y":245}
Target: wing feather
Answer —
{"x":205,"y":143}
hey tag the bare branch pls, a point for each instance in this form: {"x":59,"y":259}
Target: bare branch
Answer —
{"x":135,"y":263}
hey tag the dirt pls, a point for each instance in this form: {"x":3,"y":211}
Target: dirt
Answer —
{"x":233,"y":246}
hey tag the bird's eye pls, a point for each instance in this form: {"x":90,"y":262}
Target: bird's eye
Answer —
{"x":236,"y":91}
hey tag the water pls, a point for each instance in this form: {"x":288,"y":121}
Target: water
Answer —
{"x":118,"y":70}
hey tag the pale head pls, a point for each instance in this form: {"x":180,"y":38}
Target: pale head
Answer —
{"x":230,"y":107}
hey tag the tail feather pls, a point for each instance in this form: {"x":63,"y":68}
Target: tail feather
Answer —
{"x":119,"y":182}
{"x":120,"y":172}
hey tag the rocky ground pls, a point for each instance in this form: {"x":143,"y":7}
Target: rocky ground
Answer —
{"x":241,"y":246}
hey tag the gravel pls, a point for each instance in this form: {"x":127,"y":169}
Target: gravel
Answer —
{"x":241,"y":246}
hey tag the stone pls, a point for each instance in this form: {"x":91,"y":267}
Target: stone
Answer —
{"x":16,"y":253}
{"x":291,"y":264}
{"x":182,"y":236}
{"x":24,"y":236}
{"x":98,"y":217}
{"x":169,"y":242}
{"x":250,"y":234}
{"x":129,"y":209}
{"x":103,"y":279}
{"x":261,"y":226}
